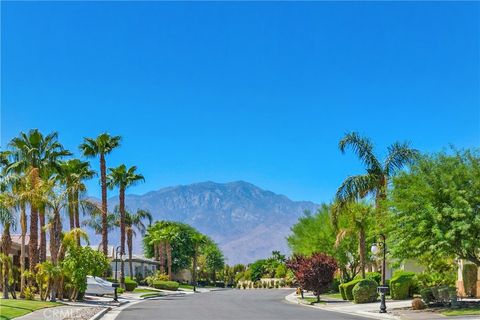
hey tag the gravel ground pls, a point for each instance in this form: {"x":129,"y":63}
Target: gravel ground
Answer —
{"x":84,"y":313}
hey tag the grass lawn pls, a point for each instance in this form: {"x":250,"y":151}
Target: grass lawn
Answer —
{"x":151,"y":295}
{"x":462,"y":312}
{"x":186,"y":286}
{"x":332,"y":295}
{"x":143,"y":290}
{"x":12,"y":308}
{"x":312,"y":300}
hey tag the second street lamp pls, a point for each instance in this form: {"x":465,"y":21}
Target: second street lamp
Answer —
{"x":383,"y":288}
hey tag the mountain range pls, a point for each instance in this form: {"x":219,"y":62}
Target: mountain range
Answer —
{"x":246,"y":221}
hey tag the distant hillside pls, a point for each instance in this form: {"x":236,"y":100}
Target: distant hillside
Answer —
{"x":246,"y":221}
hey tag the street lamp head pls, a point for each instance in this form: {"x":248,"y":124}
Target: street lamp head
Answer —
{"x":375,"y":249}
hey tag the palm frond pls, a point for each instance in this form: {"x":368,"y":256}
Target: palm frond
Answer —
{"x":399,"y":155}
{"x":355,"y":188}
{"x":362,"y":147}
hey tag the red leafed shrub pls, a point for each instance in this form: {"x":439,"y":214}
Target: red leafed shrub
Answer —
{"x":314,"y":273}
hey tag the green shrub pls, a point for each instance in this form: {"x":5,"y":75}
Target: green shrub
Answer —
{"x":130,"y":284}
{"x":427,"y":295}
{"x":348,"y":288}
{"x":469,"y":274}
{"x":281,"y":271}
{"x":334,"y":287}
{"x":120,"y":290}
{"x":371,"y":276}
{"x":402,"y":285}
{"x":341,"y":288}
{"x":166,"y":285}
{"x":365,"y":291}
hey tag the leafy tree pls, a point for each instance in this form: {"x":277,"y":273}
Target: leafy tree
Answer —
{"x":123,"y":178}
{"x":257,"y":270}
{"x":214,"y":259}
{"x":316,"y":233}
{"x":436,"y":208}
{"x":101,"y":146}
{"x":314,"y":273}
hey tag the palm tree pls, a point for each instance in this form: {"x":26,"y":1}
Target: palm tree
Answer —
{"x":375,"y":181}
{"x":132,"y":222}
{"x":72,"y":173}
{"x":94,"y":222}
{"x":358,"y":217}
{"x":7,"y":220}
{"x":123,"y":178}
{"x":168,"y":235}
{"x":33,"y":154}
{"x":101,"y":146}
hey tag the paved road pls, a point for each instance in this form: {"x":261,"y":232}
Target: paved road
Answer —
{"x":228,"y":305}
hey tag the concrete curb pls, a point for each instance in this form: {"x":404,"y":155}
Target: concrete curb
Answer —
{"x":100,"y":314}
{"x":292,"y":298}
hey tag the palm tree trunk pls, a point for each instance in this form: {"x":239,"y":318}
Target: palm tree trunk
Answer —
{"x":361,"y":250}
{"x":169,"y":260}
{"x":155,"y":251}
{"x":71,"y":215}
{"x":32,"y":244}
{"x":194,"y":273}
{"x":130,"y":252}
{"x":76,"y":211}
{"x":122,"y":236}
{"x":23,"y":225}
{"x":43,"y":239}
{"x":6,"y":244}
{"x":161,"y":256}
{"x":103,"y":178}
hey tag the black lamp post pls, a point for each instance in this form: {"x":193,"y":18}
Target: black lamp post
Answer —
{"x":383,"y":288}
{"x":115,"y":285}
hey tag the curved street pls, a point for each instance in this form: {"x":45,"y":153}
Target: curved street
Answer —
{"x":227,"y":304}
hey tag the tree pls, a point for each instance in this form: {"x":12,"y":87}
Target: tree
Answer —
{"x":34,"y":154}
{"x":72,"y":173}
{"x":94,"y":222}
{"x":436,"y":208}
{"x":123,"y":178}
{"x":101,"y":146}
{"x":198,"y":240}
{"x":135,"y":222}
{"x":314,"y":273}
{"x":214,"y":259}
{"x":375,"y":181}
{"x":7,"y":220}
{"x":316,"y":233}
{"x":182,"y":248}
{"x":359,"y":217}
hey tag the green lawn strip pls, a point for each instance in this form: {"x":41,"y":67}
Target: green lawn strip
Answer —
{"x":186,"y":286}
{"x":312,"y":300}
{"x":332,"y":295}
{"x":13,"y":308}
{"x":143,"y":290}
{"x":462,"y":312}
{"x":151,"y":295}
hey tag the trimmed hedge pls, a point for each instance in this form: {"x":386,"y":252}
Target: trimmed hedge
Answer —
{"x":348,"y":288}
{"x":469,"y":275}
{"x":402,"y":285}
{"x":371,"y":276}
{"x":166,"y":285}
{"x":365,"y":291}
{"x":130,"y":284}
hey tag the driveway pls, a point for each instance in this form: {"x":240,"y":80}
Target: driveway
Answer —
{"x":228,"y":304}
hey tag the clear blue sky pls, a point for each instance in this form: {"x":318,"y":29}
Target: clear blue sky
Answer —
{"x":260,"y":92}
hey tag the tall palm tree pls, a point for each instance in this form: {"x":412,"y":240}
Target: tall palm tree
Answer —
{"x":358,"y":217}
{"x":72,"y":173}
{"x":34,"y":153}
{"x":7,"y":220}
{"x":375,"y":181}
{"x":123,"y":178}
{"x":101,"y":146}
{"x":94,"y":221}
{"x":134,"y":221}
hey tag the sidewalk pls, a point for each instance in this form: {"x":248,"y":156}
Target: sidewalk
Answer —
{"x":396,"y":310}
{"x":368,"y":310}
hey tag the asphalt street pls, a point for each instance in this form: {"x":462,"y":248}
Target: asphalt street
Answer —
{"x":227,"y":305}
